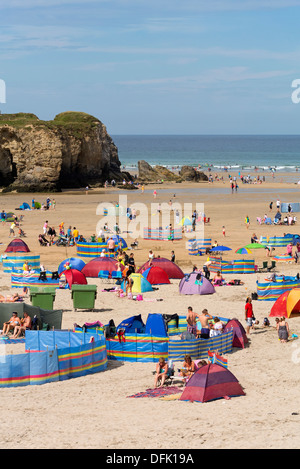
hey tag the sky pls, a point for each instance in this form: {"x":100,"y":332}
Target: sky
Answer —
{"x":155,"y":67}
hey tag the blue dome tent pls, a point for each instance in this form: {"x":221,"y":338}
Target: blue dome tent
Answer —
{"x":74,"y":263}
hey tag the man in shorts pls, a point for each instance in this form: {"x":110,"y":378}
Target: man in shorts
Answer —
{"x":191,"y":319}
{"x":111,"y":245}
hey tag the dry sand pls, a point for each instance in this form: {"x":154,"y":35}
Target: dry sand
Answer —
{"x":94,"y":411}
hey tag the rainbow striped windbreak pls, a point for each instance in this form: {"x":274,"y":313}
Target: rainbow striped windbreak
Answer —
{"x":270,"y":291}
{"x":95,"y":249}
{"x":197,"y":247}
{"x":161,"y":234}
{"x":53,"y":356}
{"x":138,"y":348}
{"x":276,"y":241}
{"x":238,"y":266}
{"x":198,"y":348}
{"x":15,"y":262}
{"x":21,"y":280}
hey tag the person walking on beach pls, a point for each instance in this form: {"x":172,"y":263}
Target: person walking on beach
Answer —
{"x":45,"y":227}
{"x":223,"y":231}
{"x":12,"y":229}
{"x":154,"y":193}
{"x":247,"y":221}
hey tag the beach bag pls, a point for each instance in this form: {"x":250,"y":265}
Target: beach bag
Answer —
{"x":35,"y":323}
{"x":110,"y":329}
{"x":254,"y":296}
{"x":139,"y":297}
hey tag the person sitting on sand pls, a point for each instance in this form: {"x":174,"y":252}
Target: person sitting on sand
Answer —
{"x":188,"y":367}
{"x":25,"y":325}
{"x":11,"y":324}
{"x":218,"y":279}
{"x":254,"y":238}
{"x":161,"y":372}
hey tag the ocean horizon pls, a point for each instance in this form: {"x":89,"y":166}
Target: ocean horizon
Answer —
{"x":268,"y":153}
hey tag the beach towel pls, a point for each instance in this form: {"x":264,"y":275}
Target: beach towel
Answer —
{"x":7,"y":340}
{"x":158,"y":392}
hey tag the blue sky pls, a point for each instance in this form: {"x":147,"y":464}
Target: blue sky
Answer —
{"x":155,"y":67}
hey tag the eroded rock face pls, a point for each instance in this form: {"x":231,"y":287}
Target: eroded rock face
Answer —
{"x":73,"y":150}
{"x":149,"y":174}
{"x":188,"y":173}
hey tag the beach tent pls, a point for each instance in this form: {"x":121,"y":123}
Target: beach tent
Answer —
{"x":156,"y":276}
{"x":140,"y":284}
{"x":287,"y":305}
{"x":93,"y":267}
{"x":134,"y":324}
{"x":211,"y":382}
{"x":25,"y":206}
{"x":74,"y":277}
{"x":120,"y":242}
{"x":72,"y":262}
{"x":295,"y":238}
{"x":239,"y":334}
{"x":195,"y":284}
{"x":17,"y":245}
{"x":172,"y":270}
{"x":156,"y":325}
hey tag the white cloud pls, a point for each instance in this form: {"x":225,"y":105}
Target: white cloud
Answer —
{"x":210,"y":77}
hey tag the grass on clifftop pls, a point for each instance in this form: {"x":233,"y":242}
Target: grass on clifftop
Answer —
{"x":79,"y":123}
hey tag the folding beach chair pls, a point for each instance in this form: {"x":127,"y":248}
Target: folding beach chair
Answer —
{"x":264,"y":267}
{"x":104,"y":275}
{"x":272,"y":266}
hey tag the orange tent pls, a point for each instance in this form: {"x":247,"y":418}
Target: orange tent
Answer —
{"x":287,"y":305}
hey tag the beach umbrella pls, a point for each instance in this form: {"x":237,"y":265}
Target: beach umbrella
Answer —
{"x":255,"y":246}
{"x":185,"y":221}
{"x":283,"y":258}
{"x":243,"y":251}
{"x":221,"y":248}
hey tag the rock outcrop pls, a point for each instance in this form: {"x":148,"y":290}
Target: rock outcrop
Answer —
{"x":188,"y":173}
{"x":147,"y":173}
{"x":73,"y":150}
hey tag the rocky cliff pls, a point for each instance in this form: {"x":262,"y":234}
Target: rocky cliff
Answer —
{"x":72,"y":150}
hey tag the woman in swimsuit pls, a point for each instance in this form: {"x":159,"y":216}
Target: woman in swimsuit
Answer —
{"x":283,"y":330}
{"x":188,"y":367}
{"x":161,"y":372}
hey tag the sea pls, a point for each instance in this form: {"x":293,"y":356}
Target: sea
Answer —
{"x":264,"y":153}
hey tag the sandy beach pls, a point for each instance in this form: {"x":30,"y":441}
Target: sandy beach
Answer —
{"x":95,"y":411}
